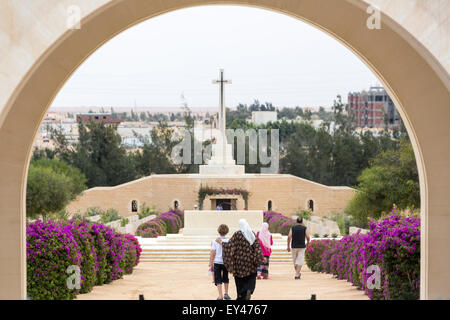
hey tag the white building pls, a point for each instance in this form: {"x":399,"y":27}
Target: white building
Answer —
{"x":263,"y":117}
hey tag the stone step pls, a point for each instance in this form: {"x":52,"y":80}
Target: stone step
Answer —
{"x":204,"y":250}
{"x":175,"y":240}
{"x":196,"y":248}
{"x":180,"y":248}
{"x":194,"y":253}
{"x":181,"y":237}
{"x":200,"y":259}
{"x":196,"y":244}
{"x":196,"y":256}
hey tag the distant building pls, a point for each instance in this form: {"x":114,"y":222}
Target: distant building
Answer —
{"x":373,"y":109}
{"x":263,"y":117}
{"x":97,"y":117}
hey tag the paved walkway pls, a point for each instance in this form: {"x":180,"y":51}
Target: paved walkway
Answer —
{"x":170,"y":280}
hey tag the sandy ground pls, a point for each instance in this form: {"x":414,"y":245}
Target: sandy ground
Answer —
{"x":179,"y":281}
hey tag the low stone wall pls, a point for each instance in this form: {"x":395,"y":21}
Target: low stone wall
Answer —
{"x":353,"y":230}
{"x":320,"y":226}
{"x":133,"y":223}
{"x":206,"y":222}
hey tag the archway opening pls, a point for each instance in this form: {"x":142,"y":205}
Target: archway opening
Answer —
{"x":395,"y":87}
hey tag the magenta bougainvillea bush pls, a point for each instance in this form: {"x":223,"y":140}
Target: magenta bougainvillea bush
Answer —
{"x":278,"y":223}
{"x":392,"y":245}
{"x":101,"y":254}
{"x":168,"y":222}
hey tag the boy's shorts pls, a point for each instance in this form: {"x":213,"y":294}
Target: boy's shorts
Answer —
{"x":220,"y":274}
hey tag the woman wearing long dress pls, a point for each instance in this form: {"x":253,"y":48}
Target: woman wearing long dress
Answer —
{"x":266,"y":242}
{"x":242,"y":256}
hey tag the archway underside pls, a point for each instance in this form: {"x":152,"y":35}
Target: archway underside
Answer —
{"x":420,"y":93}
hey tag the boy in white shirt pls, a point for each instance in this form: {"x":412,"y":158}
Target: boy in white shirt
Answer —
{"x":216,"y":264}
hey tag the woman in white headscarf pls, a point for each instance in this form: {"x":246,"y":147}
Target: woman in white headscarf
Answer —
{"x":242,"y":256}
{"x":244,"y":227}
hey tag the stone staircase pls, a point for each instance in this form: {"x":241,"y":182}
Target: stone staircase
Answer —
{"x":180,"y":248}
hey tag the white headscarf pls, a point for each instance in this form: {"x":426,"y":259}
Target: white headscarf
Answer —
{"x":246,"y":231}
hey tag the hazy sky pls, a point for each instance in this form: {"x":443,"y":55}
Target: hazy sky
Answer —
{"x":269,"y":56}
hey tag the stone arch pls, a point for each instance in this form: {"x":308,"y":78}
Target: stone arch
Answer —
{"x":39,"y":54}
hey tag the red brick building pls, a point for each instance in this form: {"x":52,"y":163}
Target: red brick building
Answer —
{"x":373,"y":109}
{"x":97,"y":117}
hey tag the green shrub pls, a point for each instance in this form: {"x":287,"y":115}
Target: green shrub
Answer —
{"x":334,"y":235}
{"x":305,"y":214}
{"x":124,"y":222}
{"x":325,"y":235}
{"x":343,"y":221}
{"x":316,"y":235}
{"x":62,"y":215}
{"x":147,"y":211}
{"x":94,"y":211}
{"x":110,"y":215}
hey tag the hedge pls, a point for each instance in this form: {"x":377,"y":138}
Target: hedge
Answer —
{"x":278,"y":223}
{"x":392,"y":244}
{"x":168,"y":222}
{"x":101,"y":254}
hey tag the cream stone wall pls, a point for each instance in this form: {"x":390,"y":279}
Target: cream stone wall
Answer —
{"x":288,"y":193}
{"x":206,"y":222}
{"x":410,"y":55}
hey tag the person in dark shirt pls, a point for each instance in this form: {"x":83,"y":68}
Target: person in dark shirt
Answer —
{"x":296,"y":245}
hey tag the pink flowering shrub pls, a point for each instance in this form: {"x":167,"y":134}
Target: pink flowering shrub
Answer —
{"x":51,"y":249}
{"x":315,"y":252}
{"x":168,"y":222}
{"x":102,"y":254}
{"x":278,"y":223}
{"x":151,"y":229}
{"x":393,"y":244}
{"x":81,"y":231}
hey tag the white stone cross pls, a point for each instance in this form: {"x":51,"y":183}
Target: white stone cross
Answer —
{"x":222,"y":116}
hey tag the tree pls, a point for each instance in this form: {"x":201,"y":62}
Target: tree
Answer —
{"x":154,"y":157}
{"x":77,"y":179}
{"x":156,"y":154}
{"x":143,"y":116}
{"x":308,"y":154}
{"x":392,"y":179}
{"x":51,"y":185}
{"x":98,"y":154}
{"x":45,"y":153}
{"x":287,"y":113}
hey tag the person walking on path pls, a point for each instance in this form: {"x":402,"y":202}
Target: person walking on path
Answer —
{"x":266,"y":242}
{"x":296,"y":241}
{"x":242,"y":256}
{"x":216,"y":264}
